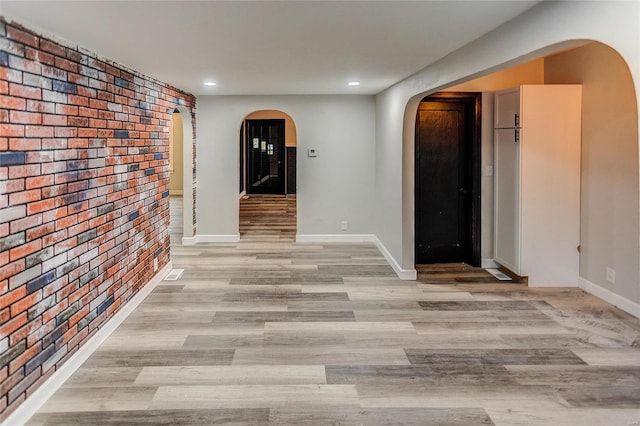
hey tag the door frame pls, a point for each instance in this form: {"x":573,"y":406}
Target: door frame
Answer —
{"x":282,"y":186}
{"x":473,"y":107}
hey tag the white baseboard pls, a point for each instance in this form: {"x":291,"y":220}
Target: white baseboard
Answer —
{"x":489,"y":263}
{"x":32,"y":404}
{"x":217,"y":238}
{"x":176,"y":192}
{"x":607,"y":295}
{"x":335,"y":238}
{"x":403,"y":274}
{"x":189,"y":241}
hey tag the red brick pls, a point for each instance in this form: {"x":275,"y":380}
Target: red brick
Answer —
{"x":14,"y":324}
{"x":25,"y":144}
{"x":79,"y":100}
{"x":11,"y":297}
{"x":40,"y":231}
{"x":40,"y":206}
{"x":54,"y":120}
{"x":21,"y":91}
{"x":66,"y":109}
{"x":12,"y":130}
{"x":25,"y":250}
{"x":11,"y":269}
{"x":66,"y":65}
{"x":39,"y":56}
{"x":24,"y":197}
{"x":24,"y":357}
{"x":22,"y":36}
{"x":25,"y":117}
{"x":39,"y":131}
{"x":51,"y":47}
{"x":25,"y":303}
{"x":39,"y":181}
{"x":87,"y":133}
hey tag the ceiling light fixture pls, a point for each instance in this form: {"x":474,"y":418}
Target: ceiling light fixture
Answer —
{"x":209,"y":83}
{"x":354,"y":83}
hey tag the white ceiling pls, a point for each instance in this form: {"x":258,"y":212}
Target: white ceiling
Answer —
{"x":269,"y":47}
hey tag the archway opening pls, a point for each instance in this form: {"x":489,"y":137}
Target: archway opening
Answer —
{"x":267,"y":176}
{"x":609,"y":189}
{"x":181,"y":176}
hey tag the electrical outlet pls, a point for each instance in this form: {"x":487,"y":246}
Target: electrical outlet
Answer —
{"x":611,"y":275}
{"x":343,"y":225}
{"x":155,"y":264}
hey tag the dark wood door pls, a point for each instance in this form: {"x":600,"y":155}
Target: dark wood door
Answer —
{"x":265,"y":157}
{"x":445,"y":226}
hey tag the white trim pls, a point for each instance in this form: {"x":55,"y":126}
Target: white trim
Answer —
{"x":242,"y":194}
{"x":176,"y":192}
{"x":607,"y":295}
{"x":403,"y":274}
{"x":489,"y":263}
{"x":335,"y":238}
{"x":217,"y":238}
{"x":189,"y":241}
{"x":32,"y":404}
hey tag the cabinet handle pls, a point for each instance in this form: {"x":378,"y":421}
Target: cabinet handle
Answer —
{"x":516,"y":120}
{"x":516,"y":135}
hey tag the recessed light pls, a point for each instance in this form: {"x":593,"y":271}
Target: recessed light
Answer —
{"x":210,"y":83}
{"x":354,"y":83}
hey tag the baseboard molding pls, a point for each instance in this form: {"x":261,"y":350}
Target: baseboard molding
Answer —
{"x":32,"y":404}
{"x":217,"y":238}
{"x":189,"y":241}
{"x":607,"y":295}
{"x":176,"y":192}
{"x":335,"y":238}
{"x":403,"y":274}
{"x":489,"y":263}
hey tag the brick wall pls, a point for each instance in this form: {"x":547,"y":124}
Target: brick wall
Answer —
{"x":84,"y":205}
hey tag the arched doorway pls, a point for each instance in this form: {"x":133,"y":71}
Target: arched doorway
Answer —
{"x":182,"y":175}
{"x":267,"y":175}
{"x":609,"y":225}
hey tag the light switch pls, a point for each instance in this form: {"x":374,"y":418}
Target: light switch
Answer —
{"x":311,"y":152}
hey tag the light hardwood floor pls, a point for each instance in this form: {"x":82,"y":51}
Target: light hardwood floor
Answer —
{"x":270,"y":332}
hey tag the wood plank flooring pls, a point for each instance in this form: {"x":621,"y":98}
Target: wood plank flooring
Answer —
{"x":271,"y":332}
{"x":268,"y":217}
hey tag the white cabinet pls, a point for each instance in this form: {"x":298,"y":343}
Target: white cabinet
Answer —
{"x":537,"y":182}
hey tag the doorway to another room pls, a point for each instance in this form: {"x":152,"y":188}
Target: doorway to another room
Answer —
{"x":267,"y":208}
{"x":447,"y":179}
{"x":176,"y":181}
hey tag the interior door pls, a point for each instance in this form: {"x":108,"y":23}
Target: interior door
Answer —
{"x":265,"y":157}
{"x":443,"y":184}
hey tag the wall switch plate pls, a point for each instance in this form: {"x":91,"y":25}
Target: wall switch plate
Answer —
{"x":312,"y":152}
{"x":343,"y":225}
{"x":155,"y":264}
{"x":611,"y":275}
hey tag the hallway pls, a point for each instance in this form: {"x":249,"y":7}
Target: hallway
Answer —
{"x":271,"y":332}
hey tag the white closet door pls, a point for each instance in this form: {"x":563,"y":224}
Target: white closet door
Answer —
{"x":507,"y":109}
{"x":507,"y":199}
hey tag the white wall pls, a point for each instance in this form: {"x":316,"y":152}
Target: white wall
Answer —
{"x":337,"y":185}
{"x":547,"y":28}
{"x":609,"y":216}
